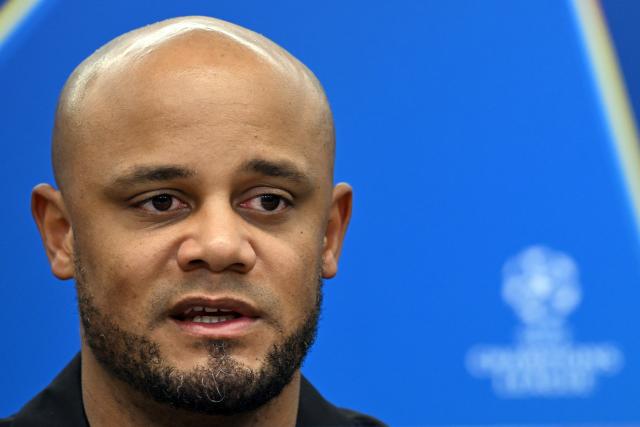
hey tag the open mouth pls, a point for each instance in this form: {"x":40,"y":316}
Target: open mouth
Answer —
{"x":201,"y":314}
{"x":214,"y":317}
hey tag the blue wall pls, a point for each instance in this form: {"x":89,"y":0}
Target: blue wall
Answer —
{"x":472,"y":133}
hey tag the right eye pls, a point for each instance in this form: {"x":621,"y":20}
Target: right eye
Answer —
{"x":162,"y":203}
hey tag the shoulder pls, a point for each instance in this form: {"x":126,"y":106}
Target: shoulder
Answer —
{"x":60,"y":404}
{"x":314,"y":410}
{"x":360,"y":420}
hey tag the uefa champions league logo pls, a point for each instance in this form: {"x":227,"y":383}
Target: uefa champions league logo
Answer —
{"x":542,"y":287}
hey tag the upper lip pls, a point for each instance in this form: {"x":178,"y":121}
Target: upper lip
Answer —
{"x":239,"y":306}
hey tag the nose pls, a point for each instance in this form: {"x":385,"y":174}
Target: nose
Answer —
{"x":219,"y":240}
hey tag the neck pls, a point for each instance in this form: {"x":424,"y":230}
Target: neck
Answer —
{"x":108,"y":401}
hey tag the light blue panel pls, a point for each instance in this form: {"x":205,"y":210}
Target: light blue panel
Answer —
{"x":470,"y":132}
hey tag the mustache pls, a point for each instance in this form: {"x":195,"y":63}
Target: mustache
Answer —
{"x":166,"y":295}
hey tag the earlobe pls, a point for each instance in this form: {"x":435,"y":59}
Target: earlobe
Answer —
{"x":339,"y":217}
{"x":49,"y":212}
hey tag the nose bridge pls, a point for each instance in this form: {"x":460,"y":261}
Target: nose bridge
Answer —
{"x":219,"y":239}
{"x":218,"y":224}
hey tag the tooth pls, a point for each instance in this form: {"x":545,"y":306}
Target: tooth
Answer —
{"x":210,"y":310}
{"x":211,"y":319}
{"x":188,"y":310}
{"x":197,"y":308}
{"x":225,"y":310}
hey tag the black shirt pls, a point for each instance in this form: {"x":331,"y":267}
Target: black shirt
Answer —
{"x":60,"y":405}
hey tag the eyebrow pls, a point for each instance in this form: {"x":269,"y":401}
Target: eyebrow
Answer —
{"x":143,"y":174}
{"x":160,"y":173}
{"x":278,"y":169}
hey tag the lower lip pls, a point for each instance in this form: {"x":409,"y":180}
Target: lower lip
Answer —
{"x":227,"y":329}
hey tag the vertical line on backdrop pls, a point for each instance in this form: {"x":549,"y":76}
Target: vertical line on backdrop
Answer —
{"x":11,"y":14}
{"x":612,"y":93}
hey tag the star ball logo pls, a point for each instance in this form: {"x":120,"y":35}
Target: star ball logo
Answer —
{"x":542,"y":287}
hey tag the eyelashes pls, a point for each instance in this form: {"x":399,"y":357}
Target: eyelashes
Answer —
{"x":162,"y":203}
{"x":167,"y":203}
{"x":267,"y":203}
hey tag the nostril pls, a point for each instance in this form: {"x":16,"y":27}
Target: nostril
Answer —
{"x":200,"y":263}
{"x":216,"y":254}
{"x":238,"y":266}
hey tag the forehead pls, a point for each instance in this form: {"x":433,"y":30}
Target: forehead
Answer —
{"x":201,"y":94}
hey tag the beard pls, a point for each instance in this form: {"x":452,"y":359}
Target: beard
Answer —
{"x":223,"y":386}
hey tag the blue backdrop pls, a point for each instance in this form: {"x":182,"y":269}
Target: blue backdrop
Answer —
{"x":490,"y":275}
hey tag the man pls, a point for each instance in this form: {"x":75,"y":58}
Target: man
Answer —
{"x":197,"y":214}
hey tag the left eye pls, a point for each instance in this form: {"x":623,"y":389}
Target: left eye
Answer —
{"x":162,"y":203}
{"x":267,"y":203}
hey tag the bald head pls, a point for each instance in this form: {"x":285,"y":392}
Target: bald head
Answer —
{"x":184,"y":60}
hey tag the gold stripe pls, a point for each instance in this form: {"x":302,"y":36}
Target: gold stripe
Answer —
{"x":11,"y":14}
{"x":613,"y":94}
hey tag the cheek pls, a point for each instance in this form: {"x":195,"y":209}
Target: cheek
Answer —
{"x":120,"y":273}
{"x":292,"y":266}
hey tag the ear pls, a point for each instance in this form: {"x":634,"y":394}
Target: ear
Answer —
{"x":50,"y":214}
{"x":339,"y":216}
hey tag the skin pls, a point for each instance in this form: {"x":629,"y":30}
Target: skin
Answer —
{"x":211,"y":104}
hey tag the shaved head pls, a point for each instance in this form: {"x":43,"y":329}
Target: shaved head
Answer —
{"x":197,"y":213}
{"x":131,"y":64}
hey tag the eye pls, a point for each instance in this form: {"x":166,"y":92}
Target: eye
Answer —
{"x":162,"y":203}
{"x":267,"y":203}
